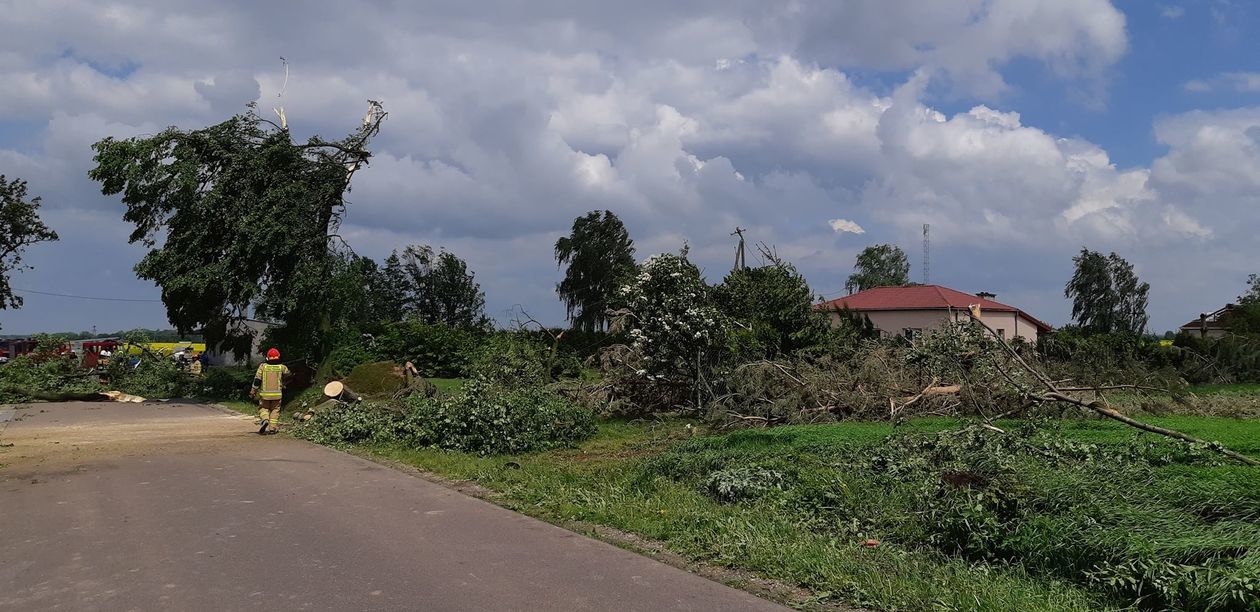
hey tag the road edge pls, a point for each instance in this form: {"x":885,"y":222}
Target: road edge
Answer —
{"x":777,"y":591}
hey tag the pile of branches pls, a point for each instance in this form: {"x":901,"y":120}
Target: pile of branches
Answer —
{"x":968,"y":369}
{"x":626,"y":389}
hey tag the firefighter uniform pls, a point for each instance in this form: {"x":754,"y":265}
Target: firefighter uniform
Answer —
{"x":269,"y":387}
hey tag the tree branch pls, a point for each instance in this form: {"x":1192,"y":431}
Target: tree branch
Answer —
{"x":1100,"y":405}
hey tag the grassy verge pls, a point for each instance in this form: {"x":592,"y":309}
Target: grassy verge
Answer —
{"x":241,"y":406}
{"x":603,"y":482}
{"x":931,"y":514}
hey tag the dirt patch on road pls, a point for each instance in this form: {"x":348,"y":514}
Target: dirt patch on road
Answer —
{"x":75,"y":433}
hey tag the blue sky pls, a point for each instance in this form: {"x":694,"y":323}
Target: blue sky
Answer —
{"x":1021,"y":130}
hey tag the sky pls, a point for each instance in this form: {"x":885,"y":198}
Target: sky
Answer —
{"x":1020,"y":130}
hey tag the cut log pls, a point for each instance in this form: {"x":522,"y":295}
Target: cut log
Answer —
{"x":339,"y":391}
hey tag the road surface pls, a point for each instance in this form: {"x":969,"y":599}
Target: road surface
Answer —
{"x":180,"y":506}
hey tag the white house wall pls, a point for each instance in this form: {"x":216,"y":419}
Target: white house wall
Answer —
{"x":894,"y":322}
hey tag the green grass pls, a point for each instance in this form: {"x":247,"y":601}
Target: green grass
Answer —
{"x":1235,"y":389}
{"x":241,"y":406}
{"x":1242,"y":435}
{"x":447,"y":385}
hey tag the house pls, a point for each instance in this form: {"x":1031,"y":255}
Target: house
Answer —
{"x":1213,"y":325}
{"x":907,"y":311}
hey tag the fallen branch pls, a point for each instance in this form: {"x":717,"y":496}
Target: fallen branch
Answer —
{"x":1100,"y":406}
{"x":1111,"y":388}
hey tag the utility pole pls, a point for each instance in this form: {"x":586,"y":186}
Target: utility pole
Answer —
{"x":739,"y":250}
{"x":926,"y":250}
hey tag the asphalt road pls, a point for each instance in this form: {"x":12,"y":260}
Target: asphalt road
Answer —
{"x":179,"y":506}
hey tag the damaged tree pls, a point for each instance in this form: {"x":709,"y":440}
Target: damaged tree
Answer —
{"x":240,"y":221}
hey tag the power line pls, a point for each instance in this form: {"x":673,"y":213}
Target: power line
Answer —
{"x":82,"y":297}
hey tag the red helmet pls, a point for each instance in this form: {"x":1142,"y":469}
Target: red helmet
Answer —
{"x":273,"y":354}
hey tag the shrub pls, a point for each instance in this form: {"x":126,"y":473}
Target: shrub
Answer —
{"x":343,"y":359}
{"x":488,"y":419}
{"x":484,"y":419}
{"x":438,"y":351}
{"x":352,"y":423}
{"x":516,"y":359}
{"x":743,"y":483}
{"x":153,"y":376}
{"x":226,"y":383}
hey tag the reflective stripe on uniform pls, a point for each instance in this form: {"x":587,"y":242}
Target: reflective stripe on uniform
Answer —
{"x":271,"y":376}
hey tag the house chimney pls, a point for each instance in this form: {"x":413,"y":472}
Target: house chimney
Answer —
{"x":985,"y":295}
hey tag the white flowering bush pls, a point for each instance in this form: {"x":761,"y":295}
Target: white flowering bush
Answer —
{"x":669,"y":319}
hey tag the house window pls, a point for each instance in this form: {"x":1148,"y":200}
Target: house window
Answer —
{"x":911,"y":333}
{"x":1001,"y":333}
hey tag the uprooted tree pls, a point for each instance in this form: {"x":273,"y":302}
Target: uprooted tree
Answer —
{"x":240,"y":221}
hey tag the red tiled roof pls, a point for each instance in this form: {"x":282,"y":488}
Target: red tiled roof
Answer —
{"x":921,"y":297}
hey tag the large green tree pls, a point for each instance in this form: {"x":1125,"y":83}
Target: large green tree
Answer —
{"x":240,"y":220}
{"x":1106,"y":294}
{"x":600,"y":255}
{"x":441,"y":289}
{"x":775,"y":304}
{"x":882,"y":265}
{"x":20,"y":227}
{"x":392,"y":288}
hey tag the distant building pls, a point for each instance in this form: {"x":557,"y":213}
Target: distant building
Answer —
{"x":1210,"y":325}
{"x":217,"y":357}
{"x":908,"y":311}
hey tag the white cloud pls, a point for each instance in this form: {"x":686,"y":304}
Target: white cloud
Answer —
{"x":686,"y":119}
{"x":1172,"y":11}
{"x":1244,"y":82}
{"x":841,"y":226}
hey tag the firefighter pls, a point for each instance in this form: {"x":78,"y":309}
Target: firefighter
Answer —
{"x":269,"y":389}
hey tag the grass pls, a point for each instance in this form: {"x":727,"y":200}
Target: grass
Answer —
{"x":1235,"y":389}
{"x":241,"y":406}
{"x":447,"y":385}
